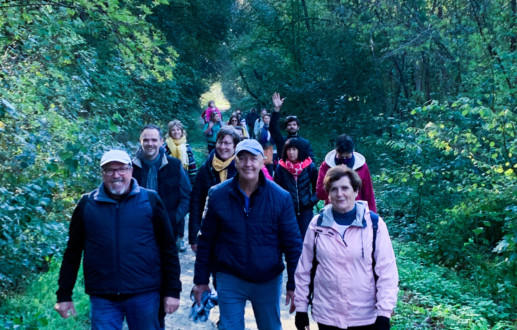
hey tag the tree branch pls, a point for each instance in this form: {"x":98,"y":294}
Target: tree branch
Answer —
{"x":247,"y":86}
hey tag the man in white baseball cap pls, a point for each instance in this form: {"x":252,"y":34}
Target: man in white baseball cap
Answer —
{"x":124,"y":235}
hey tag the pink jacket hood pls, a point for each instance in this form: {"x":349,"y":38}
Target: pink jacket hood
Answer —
{"x":345,"y":292}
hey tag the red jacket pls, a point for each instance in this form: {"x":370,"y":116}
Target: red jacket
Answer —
{"x":365,"y":193}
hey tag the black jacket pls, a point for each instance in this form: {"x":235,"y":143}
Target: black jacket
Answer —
{"x":303,"y":190}
{"x":128,"y":246}
{"x":248,"y":245}
{"x":173,"y":186}
{"x":280,"y":140}
{"x":206,"y":178}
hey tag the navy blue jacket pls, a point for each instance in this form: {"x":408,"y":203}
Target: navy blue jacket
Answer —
{"x":128,"y":247}
{"x":248,"y":245}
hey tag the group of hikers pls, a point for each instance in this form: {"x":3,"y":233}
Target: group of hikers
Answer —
{"x":247,"y":213}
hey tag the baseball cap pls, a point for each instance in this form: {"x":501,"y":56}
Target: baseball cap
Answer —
{"x":115,"y":156}
{"x":251,"y":146}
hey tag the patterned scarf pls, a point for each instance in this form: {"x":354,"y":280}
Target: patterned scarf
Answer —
{"x":178,"y":149}
{"x":295,"y":168}
{"x":221,"y":166}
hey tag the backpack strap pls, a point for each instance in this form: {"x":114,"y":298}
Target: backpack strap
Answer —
{"x":375,"y":225}
{"x":315,"y":262}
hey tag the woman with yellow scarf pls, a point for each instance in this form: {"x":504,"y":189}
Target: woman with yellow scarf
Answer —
{"x":176,"y":146}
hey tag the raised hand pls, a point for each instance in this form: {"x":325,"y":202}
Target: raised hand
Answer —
{"x":277,"y":101}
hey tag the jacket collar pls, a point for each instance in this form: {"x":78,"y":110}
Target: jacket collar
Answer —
{"x":235,"y":185}
{"x":328,"y":217}
{"x":100,"y":194}
{"x":359,"y":159}
{"x":138,"y":162}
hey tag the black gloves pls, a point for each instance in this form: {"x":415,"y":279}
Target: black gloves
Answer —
{"x":382,"y":323}
{"x":301,"y":320}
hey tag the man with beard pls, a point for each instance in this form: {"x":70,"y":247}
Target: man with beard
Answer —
{"x":125,"y":237}
{"x":292,"y":126}
{"x":163,"y":174}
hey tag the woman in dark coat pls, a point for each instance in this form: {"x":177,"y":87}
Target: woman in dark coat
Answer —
{"x":297,"y":174}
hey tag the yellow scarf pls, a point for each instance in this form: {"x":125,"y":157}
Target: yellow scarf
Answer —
{"x":221,"y":167}
{"x":178,"y":149}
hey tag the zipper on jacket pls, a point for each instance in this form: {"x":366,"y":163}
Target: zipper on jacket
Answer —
{"x":343,"y":237}
{"x":297,"y":196}
{"x":117,"y":249}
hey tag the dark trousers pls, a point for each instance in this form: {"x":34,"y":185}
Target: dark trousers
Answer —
{"x":329,"y":327}
{"x":303,"y":219}
{"x":179,"y":228}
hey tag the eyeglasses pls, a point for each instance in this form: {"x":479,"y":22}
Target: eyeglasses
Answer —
{"x":120,"y":171}
{"x":224,"y":143}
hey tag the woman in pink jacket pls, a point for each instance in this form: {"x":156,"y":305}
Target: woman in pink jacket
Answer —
{"x":355,"y":283}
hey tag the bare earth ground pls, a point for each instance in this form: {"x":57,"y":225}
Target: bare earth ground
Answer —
{"x":180,"y":321}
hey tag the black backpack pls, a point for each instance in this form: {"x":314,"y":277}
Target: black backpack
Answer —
{"x":375,"y":225}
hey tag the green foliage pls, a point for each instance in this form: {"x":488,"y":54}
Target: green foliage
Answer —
{"x":77,"y":78}
{"x":434,"y":297}
{"x":450,"y":181}
{"x":34,"y":309}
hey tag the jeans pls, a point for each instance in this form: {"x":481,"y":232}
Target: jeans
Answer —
{"x":233,"y":293}
{"x":141,"y":312}
{"x":329,"y":327}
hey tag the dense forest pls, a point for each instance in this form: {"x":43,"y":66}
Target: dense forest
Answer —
{"x":428,"y":89}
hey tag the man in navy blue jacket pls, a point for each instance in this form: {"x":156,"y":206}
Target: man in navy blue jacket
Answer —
{"x":130,"y":256}
{"x":249,"y":223}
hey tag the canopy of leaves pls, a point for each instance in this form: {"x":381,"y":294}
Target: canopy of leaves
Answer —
{"x":77,"y":78}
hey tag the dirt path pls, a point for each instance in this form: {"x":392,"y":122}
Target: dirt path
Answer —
{"x":180,"y":320}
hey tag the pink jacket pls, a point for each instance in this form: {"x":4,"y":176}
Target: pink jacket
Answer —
{"x":345,"y":294}
{"x":209,"y":111}
{"x":360,"y":166}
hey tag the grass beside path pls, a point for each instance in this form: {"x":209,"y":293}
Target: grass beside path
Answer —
{"x":431,"y":297}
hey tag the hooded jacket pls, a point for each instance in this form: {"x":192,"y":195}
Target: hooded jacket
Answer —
{"x":360,"y":166}
{"x":345,"y":291}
